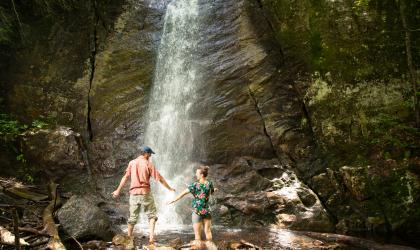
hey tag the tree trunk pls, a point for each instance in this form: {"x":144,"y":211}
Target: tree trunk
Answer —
{"x":412,"y":71}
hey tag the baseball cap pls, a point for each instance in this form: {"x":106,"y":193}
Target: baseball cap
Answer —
{"x":146,"y":149}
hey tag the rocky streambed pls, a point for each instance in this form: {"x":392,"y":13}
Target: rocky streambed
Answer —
{"x":180,"y":236}
{"x":92,"y":222}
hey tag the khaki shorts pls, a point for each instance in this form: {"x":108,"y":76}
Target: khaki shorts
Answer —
{"x":141,"y":200}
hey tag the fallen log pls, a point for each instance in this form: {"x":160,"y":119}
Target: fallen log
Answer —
{"x":48,"y":219}
{"x":9,"y":238}
{"x":354,"y":241}
{"x":25,"y":193}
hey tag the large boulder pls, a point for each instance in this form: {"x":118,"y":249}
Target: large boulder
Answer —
{"x":56,"y":152}
{"x":297,"y":206}
{"x":81,"y":218}
{"x":260,"y":192}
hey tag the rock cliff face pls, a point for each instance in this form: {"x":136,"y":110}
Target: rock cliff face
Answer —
{"x":273,"y":136}
{"x":124,"y":67}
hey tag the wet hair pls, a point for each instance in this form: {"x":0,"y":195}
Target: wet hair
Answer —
{"x":204,"y":170}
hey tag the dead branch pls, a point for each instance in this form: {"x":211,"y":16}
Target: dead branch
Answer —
{"x":78,"y":243}
{"x":33,"y":231}
{"x":48,"y":219}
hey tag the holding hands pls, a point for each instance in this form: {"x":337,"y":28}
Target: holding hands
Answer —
{"x":185,"y":192}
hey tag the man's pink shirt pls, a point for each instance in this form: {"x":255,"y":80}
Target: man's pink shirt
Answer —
{"x":140,"y":170}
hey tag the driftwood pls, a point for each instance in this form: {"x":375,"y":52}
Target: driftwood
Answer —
{"x":26,"y":194}
{"x":8,"y":238}
{"x":48,"y":219}
{"x":354,"y":241}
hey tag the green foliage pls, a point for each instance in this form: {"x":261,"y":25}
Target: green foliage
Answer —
{"x":396,"y":138}
{"x":10,"y":130}
{"x":39,"y":124}
{"x":14,"y":24}
{"x":11,"y":127}
{"x":354,"y":40}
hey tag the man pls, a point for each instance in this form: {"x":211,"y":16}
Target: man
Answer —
{"x":140,"y":170}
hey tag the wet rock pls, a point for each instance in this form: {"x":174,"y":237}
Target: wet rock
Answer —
{"x":55,"y":152}
{"x":123,"y":242}
{"x":240,"y":197}
{"x":252,"y":203}
{"x":239,"y":177}
{"x":243,"y":245}
{"x":95,"y":245}
{"x":176,"y":243}
{"x":120,"y":89}
{"x":121,"y":239}
{"x":248,"y":109}
{"x":82,"y":218}
{"x":200,"y":245}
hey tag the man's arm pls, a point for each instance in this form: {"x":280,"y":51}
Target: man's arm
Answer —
{"x":116,"y":193}
{"x":158,"y":177}
{"x":186,"y":191}
{"x":165,"y":184}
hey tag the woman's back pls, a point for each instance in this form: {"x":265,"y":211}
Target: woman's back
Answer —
{"x":201,"y":193}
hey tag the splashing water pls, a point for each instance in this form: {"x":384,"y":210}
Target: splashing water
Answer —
{"x":170,"y":128}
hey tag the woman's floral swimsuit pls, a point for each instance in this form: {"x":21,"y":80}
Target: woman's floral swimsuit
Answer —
{"x":201,"y":193}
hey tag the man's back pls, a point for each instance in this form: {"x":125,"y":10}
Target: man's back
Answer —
{"x":140,"y":170}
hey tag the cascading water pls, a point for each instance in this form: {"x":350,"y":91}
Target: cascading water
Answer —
{"x":170,"y":128}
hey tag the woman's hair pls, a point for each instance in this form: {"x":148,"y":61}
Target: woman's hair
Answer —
{"x":204,"y":170}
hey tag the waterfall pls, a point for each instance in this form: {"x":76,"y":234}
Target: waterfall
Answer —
{"x":170,"y":128}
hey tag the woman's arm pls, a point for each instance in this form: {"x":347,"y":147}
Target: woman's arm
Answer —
{"x":185,"y":192}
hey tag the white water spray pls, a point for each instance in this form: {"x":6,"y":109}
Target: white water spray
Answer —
{"x":170,"y":128}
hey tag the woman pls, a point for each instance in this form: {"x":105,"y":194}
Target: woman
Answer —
{"x":201,"y":190}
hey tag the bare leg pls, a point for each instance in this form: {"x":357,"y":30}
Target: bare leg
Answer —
{"x":152,"y":223}
{"x":207,"y":229}
{"x":130,"y":230}
{"x":197,"y":230}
